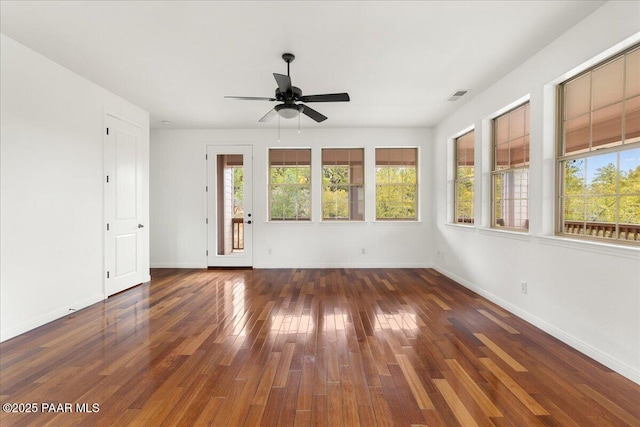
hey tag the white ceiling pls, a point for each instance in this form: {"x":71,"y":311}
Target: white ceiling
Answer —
{"x":398,"y":60}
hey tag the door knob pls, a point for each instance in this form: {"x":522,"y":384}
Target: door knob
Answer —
{"x":140,"y":226}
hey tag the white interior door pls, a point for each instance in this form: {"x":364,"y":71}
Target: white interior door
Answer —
{"x":124,"y":210}
{"x":229,"y":206}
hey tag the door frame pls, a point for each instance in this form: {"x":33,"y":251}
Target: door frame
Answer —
{"x":244,"y":259}
{"x":144,"y":234}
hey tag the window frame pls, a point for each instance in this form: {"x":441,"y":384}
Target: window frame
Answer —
{"x":494,"y":172}
{"x":416,"y":185}
{"x":456,"y":179}
{"x":308,"y":185}
{"x":350,"y":185}
{"x":561,"y":158}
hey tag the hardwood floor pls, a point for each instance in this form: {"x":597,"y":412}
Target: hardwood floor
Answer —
{"x":305,"y":347}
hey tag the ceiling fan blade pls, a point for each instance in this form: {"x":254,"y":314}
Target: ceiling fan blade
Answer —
{"x":329,"y":97}
{"x":284,"y":82}
{"x":270,"y":115}
{"x":250,"y":98}
{"x":310,"y":112}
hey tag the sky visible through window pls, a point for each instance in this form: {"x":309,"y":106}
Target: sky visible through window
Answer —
{"x":629,"y":160}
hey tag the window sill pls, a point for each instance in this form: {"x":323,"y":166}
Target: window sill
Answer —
{"x":469,"y":228}
{"x":343,"y":221}
{"x":394,"y":222}
{"x":290,"y":221}
{"x":591,"y":246}
{"x":508,"y":234}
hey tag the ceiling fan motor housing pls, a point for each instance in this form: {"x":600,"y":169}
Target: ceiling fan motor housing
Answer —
{"x":295,"y":93}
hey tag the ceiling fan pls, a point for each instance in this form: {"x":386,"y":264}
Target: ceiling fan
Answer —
{"x":289,"y":95}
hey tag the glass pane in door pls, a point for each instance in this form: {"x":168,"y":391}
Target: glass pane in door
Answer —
{"x":230,"y":203}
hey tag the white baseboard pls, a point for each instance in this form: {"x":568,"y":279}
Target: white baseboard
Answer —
{"x":9,"y":333}
{"x":343,"y":265}
{"x":176,"y":265}
{"x":310,"y":265}
{"x":596,"y":354}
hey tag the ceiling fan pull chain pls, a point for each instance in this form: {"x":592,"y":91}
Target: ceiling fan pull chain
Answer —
{"x":298,"y":122}
{"x":278,"y":128}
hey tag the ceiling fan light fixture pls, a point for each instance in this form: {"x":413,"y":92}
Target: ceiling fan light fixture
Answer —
{"x":289,"y":111}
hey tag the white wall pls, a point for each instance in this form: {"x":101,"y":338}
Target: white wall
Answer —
{"x":178,"y":202}
{"x":586,"y":294}
{"x":51,"y":150}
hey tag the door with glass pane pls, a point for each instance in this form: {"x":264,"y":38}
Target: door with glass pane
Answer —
{"x":229,"y":206}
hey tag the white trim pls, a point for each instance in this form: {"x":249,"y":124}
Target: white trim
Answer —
{"x":372,"y":201}
{"x":7,"y":334}
{"x":290,"y":147}
{"x":451,"y":172}
{"x":406,"y":222}
{"x":344,"y":147}
{"x":177,"y":265}
{"x":356,"y":222}
{"x":517,"y":235}
{"x":464,"y":131}
{"x":591,"y":246}
{"x":268,"y":265}
{"x":290,"y":221}
{"x":267,"y":185}
{"x":511,"y":106}
{"x":247,"y":257}
{"x":108,"y":112}
{"x":595,"y":60}
{"x":550,"y":103}
{"x":461,"y":227}
{"x":579,"y":345}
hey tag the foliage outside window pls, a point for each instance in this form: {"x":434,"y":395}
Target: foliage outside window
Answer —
{"x":464,"y":178}
{"x":510,"y":172}
{"x":599,"y":151}
{"x":396,"y":184}
{"x":343,"y":184}
{"x":238,"y":192}
{"x":290,"y":184}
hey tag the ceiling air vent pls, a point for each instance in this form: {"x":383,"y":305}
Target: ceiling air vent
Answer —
{"x":457,"y":95}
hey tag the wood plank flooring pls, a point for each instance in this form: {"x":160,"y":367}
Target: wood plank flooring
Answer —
{"x":337,"y":347}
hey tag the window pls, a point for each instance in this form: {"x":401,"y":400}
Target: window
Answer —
{"x":599,"y":151}
{"x":463,"y":179}
{"x":343,"y":184}
{"x":290,"y":184}
{"x":396,"y":184}
{"x":510,"y":172}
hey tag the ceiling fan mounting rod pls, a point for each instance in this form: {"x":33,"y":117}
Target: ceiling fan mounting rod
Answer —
{"x":288,"y":58}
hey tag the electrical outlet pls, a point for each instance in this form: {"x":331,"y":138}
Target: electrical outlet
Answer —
{"x":363,"y":251}
{"x":270,"y":251}
{"x":523,"y":287}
